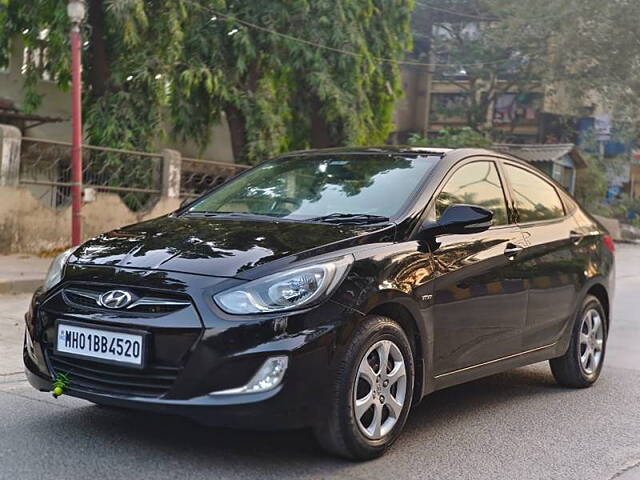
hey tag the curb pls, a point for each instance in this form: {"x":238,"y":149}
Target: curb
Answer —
{"x":13,"y":287}
{"x":630,"y":241}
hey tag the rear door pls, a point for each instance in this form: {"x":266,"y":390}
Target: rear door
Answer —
{"x":550,"y":260}
{"x":479,"y":292}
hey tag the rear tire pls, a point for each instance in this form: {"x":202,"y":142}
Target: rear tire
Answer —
{"x":581,"y":365}
{"x":372,"y":394}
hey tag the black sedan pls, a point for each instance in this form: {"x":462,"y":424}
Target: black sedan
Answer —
{"x":330,"y":289}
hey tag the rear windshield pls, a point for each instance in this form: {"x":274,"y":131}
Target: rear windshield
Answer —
{"x":306,"y":187}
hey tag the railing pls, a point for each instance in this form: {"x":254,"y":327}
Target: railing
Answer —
{"x":198,"y":176}
{"x":45,"y":166}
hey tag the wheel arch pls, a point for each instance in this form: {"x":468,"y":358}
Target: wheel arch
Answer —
{"x":398,"y":311}
{"x":600,"y":292}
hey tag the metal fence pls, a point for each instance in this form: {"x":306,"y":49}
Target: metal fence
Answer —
{"x":45,"y":167}
{"x":198,"y":176}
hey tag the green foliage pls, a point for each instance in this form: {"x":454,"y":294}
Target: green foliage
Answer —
{"x":618,"y":208}
{"x":591,"y":184}
{"x":591,"y":190}
{"x":186,"y":64}
{"x":464,"y":137}
{"x":355,"y":94}
{"x":279,"y":91}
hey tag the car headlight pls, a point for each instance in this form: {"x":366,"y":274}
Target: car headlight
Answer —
{"x":54,"y":275}
{"x":286,"y":290}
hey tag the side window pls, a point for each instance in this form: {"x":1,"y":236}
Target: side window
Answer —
{"x":476,"y":183}
{"x":535,"y":198}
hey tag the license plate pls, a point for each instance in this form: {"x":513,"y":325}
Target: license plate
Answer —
{"x":103,"y":345}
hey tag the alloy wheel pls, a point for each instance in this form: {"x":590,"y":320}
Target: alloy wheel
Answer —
{"x":380,"y":389}
{"x":591,"y":341}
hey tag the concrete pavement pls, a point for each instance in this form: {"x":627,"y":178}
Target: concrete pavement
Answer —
{"x":519,"y":424}
{"x":12,"y":308}
{"x":22,"y":273}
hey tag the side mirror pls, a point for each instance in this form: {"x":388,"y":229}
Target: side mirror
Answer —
{"x":459,"y":219}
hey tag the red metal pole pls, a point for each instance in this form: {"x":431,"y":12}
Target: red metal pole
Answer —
{"x":76,"y":139}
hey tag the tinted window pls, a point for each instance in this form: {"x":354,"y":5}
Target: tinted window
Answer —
{"x":477,"y":184}
{"x":308,"y":186}
{"x":535,"y":198}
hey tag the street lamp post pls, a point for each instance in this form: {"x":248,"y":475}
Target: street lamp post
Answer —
{"x":76,"y":12}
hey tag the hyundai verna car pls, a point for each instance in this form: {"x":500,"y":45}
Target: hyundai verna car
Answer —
{"x":330,"y":289}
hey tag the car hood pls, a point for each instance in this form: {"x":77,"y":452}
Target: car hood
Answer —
{"x":221,"y":247}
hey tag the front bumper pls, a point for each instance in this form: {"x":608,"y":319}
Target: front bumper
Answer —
{"x":222,"y":355}
{"x":293,"y":404}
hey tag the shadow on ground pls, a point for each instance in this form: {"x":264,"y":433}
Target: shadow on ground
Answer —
{"x":510,"y":425}
{"x":188,"y":442}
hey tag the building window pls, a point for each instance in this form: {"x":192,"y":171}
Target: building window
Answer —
{"x":36,"y":57}
{"x":517,"y":108}
{"x":449,"y":107}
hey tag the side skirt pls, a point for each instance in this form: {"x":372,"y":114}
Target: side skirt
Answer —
{"x":498,"y":365}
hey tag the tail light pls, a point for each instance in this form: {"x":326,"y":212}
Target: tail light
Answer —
{"x":608,"y":242}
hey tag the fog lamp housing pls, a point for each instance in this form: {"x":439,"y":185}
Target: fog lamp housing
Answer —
{"x":268,"y":377}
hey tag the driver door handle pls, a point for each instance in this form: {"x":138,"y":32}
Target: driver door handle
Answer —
{"x":512,"y":250}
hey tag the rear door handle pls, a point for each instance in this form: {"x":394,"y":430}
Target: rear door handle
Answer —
{"x":512,"y":250}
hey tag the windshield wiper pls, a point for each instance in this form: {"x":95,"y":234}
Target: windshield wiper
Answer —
{"x":349,"y":218}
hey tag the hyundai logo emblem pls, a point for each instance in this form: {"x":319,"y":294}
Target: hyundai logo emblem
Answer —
{"x":115,"y":299}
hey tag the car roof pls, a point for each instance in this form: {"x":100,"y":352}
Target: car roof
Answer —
{"x":450,"y":155}
{"x":390,"y":149}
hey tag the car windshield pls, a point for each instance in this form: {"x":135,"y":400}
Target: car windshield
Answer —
{"x":323,"y":188}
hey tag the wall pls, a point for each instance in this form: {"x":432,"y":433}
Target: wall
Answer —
{"x":409,"y":110}
{"x":26,"y":226}
{"x":55,"y":103}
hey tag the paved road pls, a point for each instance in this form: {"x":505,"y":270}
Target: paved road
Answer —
{"x":514,"y":425}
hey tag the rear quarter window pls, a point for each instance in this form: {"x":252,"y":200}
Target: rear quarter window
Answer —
{"x":535,"y":199}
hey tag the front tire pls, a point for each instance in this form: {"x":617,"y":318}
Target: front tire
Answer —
{"x":580,"y":367}
{"x":372,"y":393}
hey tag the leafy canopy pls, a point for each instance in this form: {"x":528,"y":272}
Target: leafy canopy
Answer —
{"x":183,"y":64}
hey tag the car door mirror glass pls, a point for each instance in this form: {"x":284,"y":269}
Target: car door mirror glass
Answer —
{"x":459,"y":219}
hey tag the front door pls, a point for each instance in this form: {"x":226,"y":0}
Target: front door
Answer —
{"x":480,"y":297}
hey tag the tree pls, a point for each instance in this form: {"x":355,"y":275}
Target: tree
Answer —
{"x":464,"y":137}
{"x":349,"y":99}
{"x":286,"y":74}
{"x":600,"y":53}
{"x":319,"y":84}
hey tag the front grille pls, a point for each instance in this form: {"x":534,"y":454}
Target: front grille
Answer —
{"x":153,"y":381}
{"x":142,"y":301}
{"x":80,"y":299}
